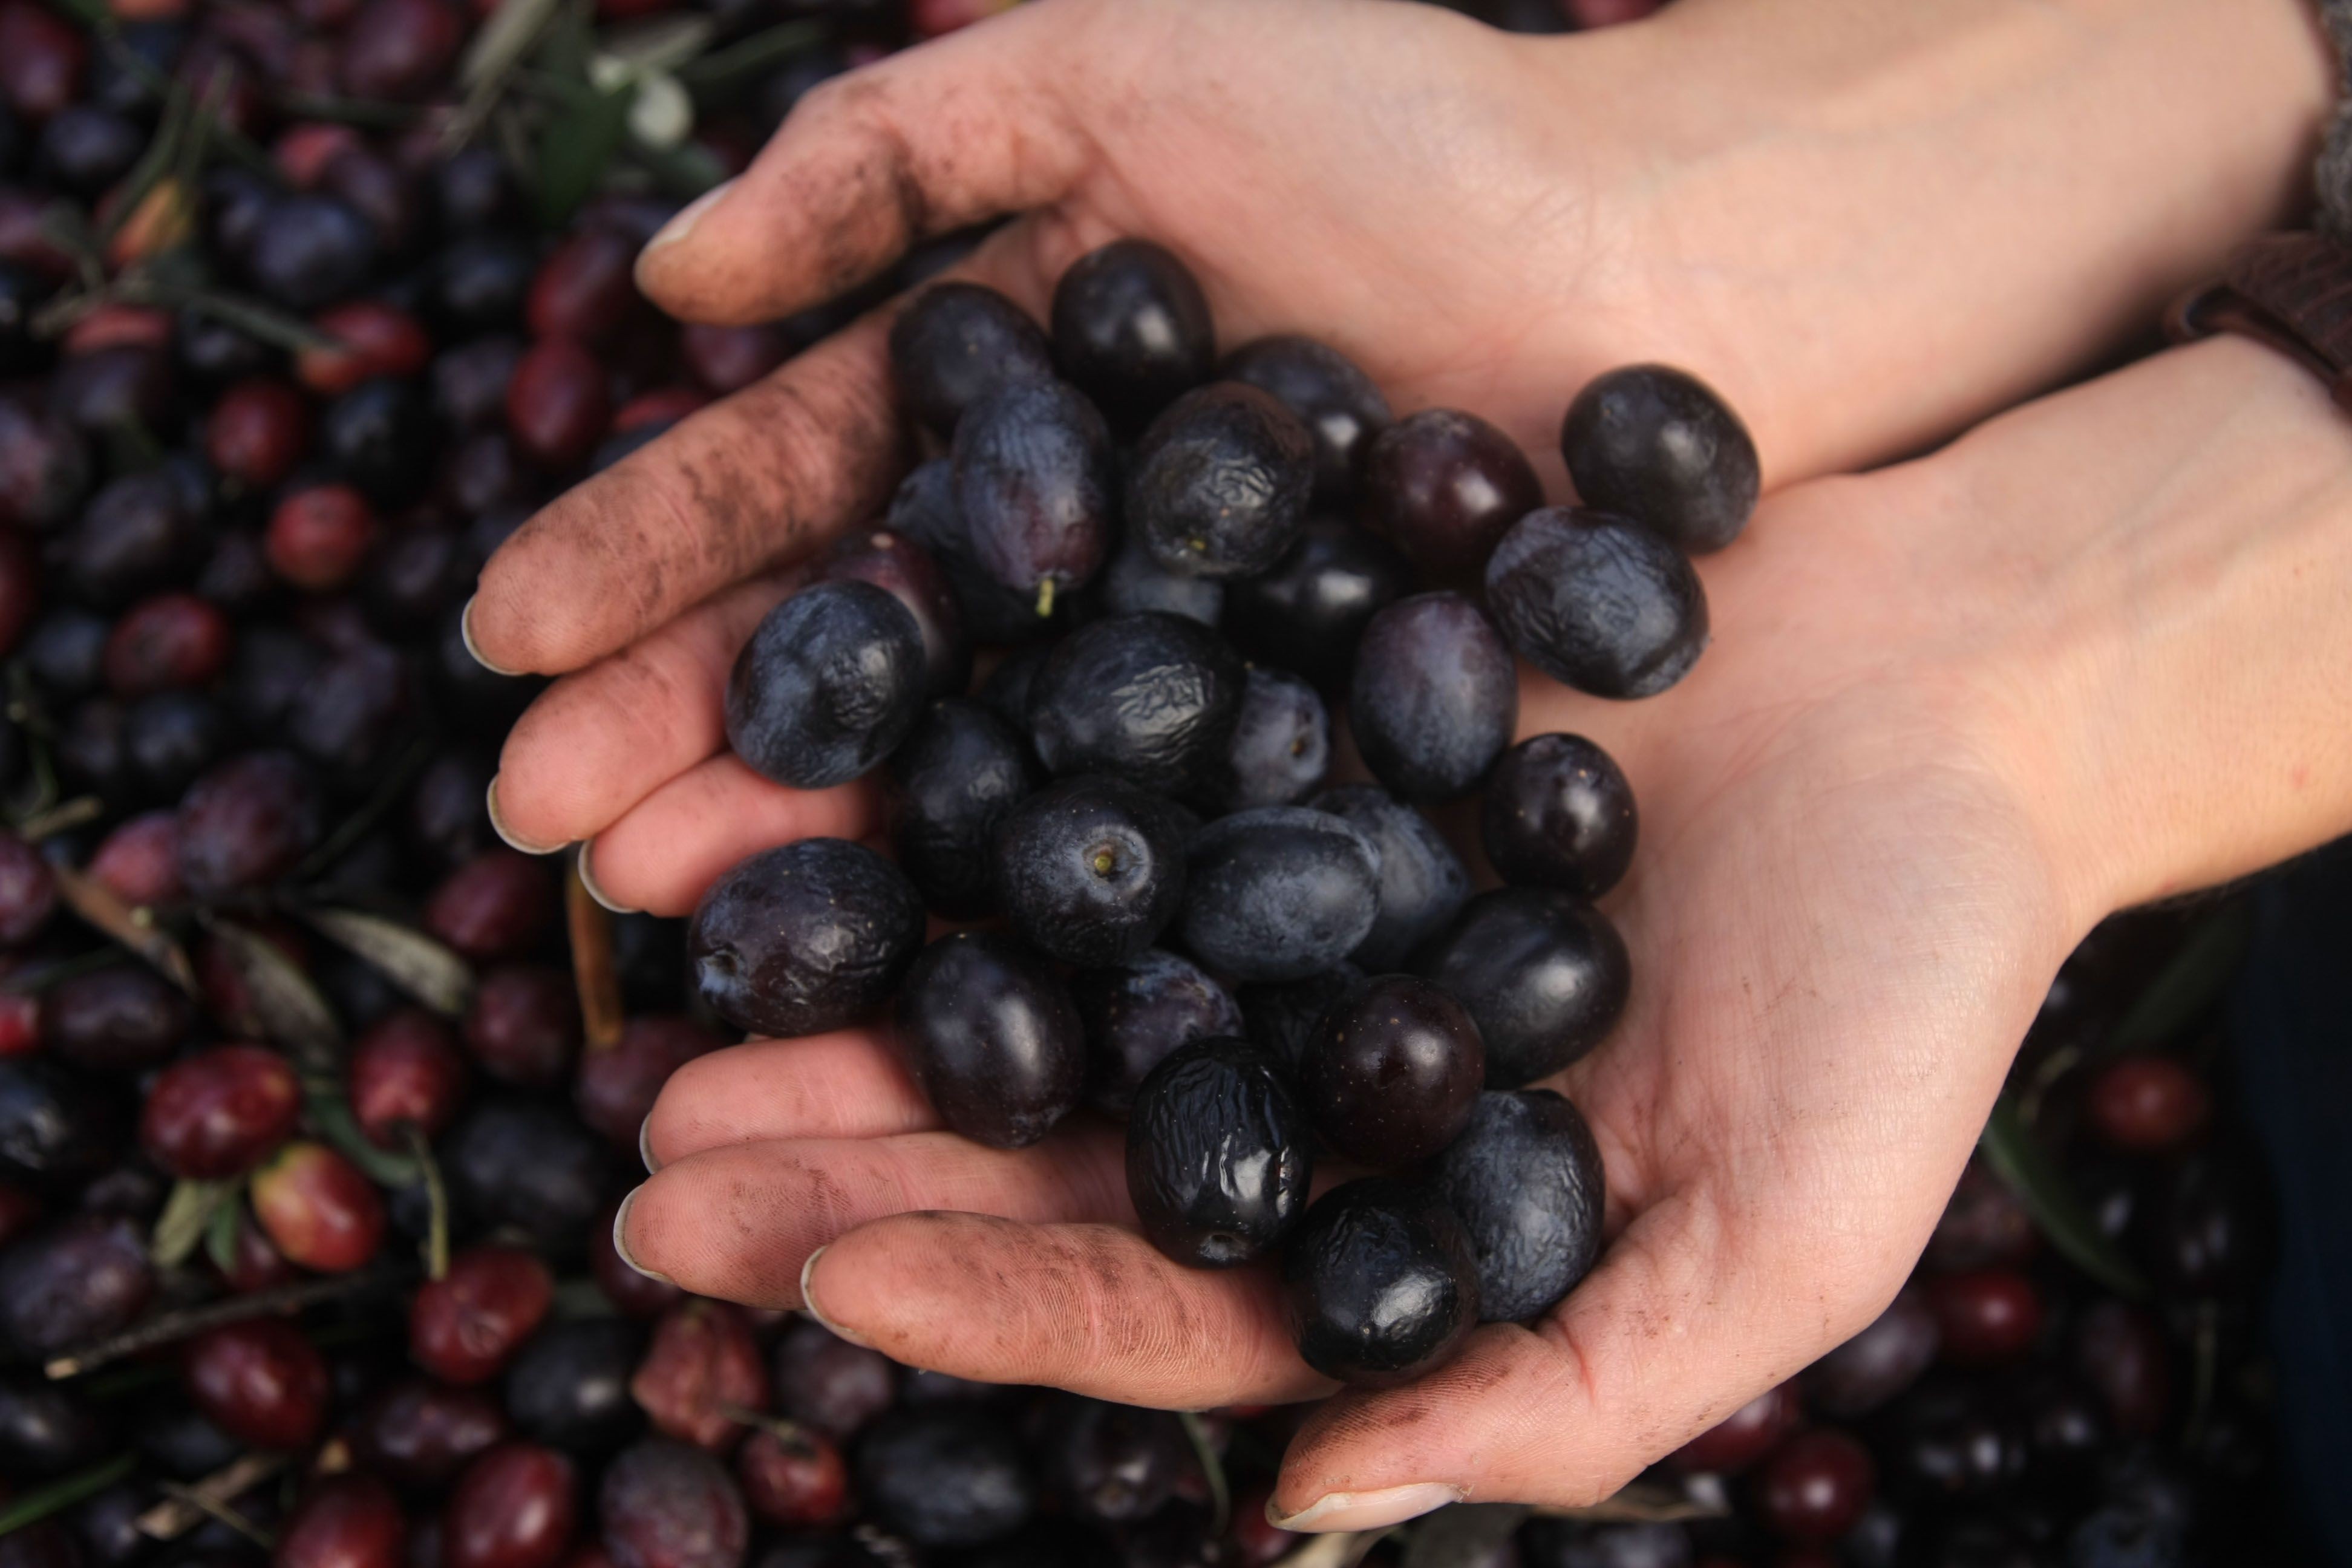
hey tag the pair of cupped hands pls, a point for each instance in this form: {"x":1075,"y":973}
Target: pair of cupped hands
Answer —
{"x":2090,"y":652}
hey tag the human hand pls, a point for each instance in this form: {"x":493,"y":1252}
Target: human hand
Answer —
{"x":1956,"y":712}
{"x":1864,"y":224}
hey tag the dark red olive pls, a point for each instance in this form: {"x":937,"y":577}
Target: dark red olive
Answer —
{"x":218,"y":1113}
{"x":1744,"y":1436}
{"x":1988,"y":1317}
{"x":2148,"y":1105}
{"x":28,"y":892}
{"x":617,"y":1084}
{"x":496,"y":905}
{"x":703,"y":1362}
{"x":465,"y":1326}
{"x":824,"y":1381}
{"x":317,"y":1208}
{"x":247,"y":823}
{"x":369,"y":338}
{"x":514,"y":1507}
{"x":669,"y":1505}
{"x":318,"y":537}
{"x":1816,"y":1487}
{"x":121,"y":1017}
{"x":171,"y":642}
{"x":405,"y":1072}
{"x":557,"y":407}
{"x":344,"y":1521}
{"x":422,"y":1434}
{"x":796,"y":1481}
{"x":524,"y":1024}
{"x":253,"y":1261}
{"x":401,"y":49}
{"x":20,"y":593}
{"x":1879,"y":1362}
{"x":259,"y":1380}
{"x":585,"y":288}
{"x":2120,"y":1351}
{"x":256,"y":432}
{"x":1391,"y":1074}
{"x":41,"y":60}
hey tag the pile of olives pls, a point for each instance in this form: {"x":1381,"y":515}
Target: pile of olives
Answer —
{"x":1167,"y":909}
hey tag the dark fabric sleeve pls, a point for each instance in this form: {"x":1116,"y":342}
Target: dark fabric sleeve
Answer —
{"x":2334,"y":173}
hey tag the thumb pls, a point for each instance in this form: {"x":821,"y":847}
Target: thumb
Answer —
{"x":1663,"y":1339}
{"x":930,"y":139}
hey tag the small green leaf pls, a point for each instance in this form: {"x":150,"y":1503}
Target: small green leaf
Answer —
{"x":2015,"y":1156}
{"x":408,"y":958}
{"x":187,"y":1215}
{"x":286,"y":1009}
{"x":32,"y":1506}
{"x":1212,"y":1470}
{"x":220,"y":1237}
{"x":575,"y":150}
{"x":2191,"y":983}
{"x":330,"y":1114}
{"x":753,"y":56}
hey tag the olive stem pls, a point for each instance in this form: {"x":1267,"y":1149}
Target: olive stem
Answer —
{"x":1213,"y":1468}
{"x":436,"y":1197}
{"x":171,"y":1327}
{"x":38,"y":1504}
{"x":183,"y":1506}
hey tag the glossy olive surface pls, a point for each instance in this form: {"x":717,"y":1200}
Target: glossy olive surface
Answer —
{"x":1281,"y":744}
{"x":957,"y":775}
{"x":1598,"y":602}
{"x":1308,"y":611}
{"x":1219,"y":1154}
{"x":1034,"y":479}
{"x":1559,"y":812}
{"x":1434,"y":698}
{"x":1278,"y":892}
{"x":1132,"y":328}
{"x":926,"y":510}
{"x":1138,"y":1012}
{"x":1392,"y":1073}
{"x":1335,"y":399}
{"x":994,"y":1038}
{"x":1218,"y":487}
{"x":829,"y":682}
{"x":805,"y":938}
{"x":1525,"y":1179}
{"x":1545,"y":975}
{"x":1660,"y":445}
{"x":1379,"y":1282}
{"x":1091,"y":870}
{"x":958,"y":342}
{"x":1443,"y":486}
{"x":1424,"y":883}
{"x":945,"y":1475}
{"x":1152,"y":698}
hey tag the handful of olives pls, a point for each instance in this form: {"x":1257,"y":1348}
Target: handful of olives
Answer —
{"x":1184,"y":564}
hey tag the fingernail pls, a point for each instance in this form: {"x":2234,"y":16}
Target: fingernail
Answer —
{"x":644,"y":1144}
{"x":499,"y":827}
{"x":465,"y":635}
{"x":588,"y":880}
{"x":1366,"y":1511}
{"x":620,"y":1238}
{"x":681,"y":225}
{"x":808,"y":1304}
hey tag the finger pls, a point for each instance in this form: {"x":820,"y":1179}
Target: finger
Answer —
{"x":1679,"y":1325}
{"x":735,"y":489}
{"x":1088,"y":1307}
{"x":739,"y":1221}
{"x":929,"y":141}
{"x":597,"y":742}
{"x":851,"y":1084}
{"x":665,"y":853}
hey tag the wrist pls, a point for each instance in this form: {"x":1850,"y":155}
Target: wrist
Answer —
{"x":2177,"y":552}
{"x":1871,"y":225}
